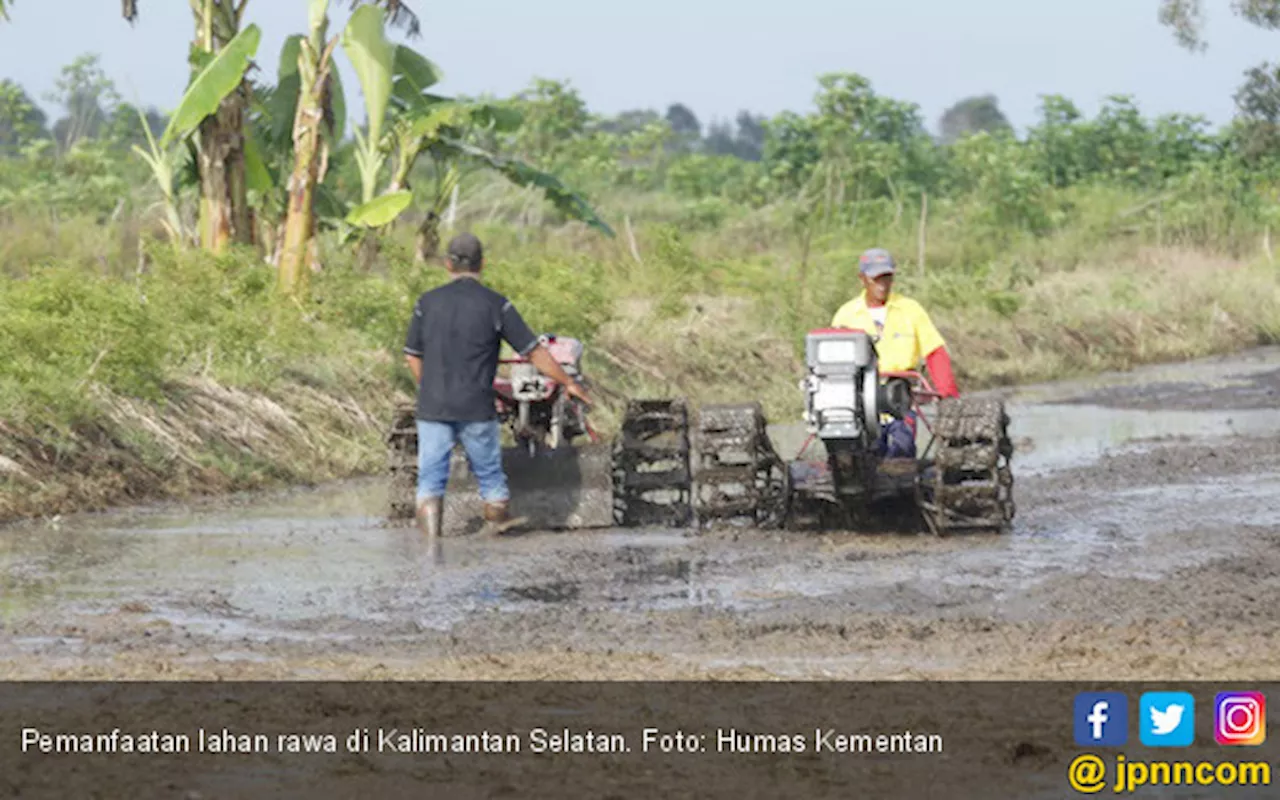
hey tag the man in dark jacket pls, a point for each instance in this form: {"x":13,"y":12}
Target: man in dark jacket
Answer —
{"x":452,"y":350}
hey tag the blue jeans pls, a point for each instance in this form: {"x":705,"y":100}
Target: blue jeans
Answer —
{"x":898,"y":438}
{"x":483,"y":447}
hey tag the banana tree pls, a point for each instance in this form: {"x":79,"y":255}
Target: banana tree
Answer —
{"x":396,"y":78}
{"x":221,"y":76}
{"x":319,"y":113}
{"x":227,"y":164}
{"x":377,"y":64}
{"x":220,"y":150}
{"x":445,"y":131}
{"x":224,"y":200}
{"x":308,"y":63}
{"x":399,"y":79}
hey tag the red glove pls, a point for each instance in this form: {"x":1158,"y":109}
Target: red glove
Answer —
{"x":944,"y":381}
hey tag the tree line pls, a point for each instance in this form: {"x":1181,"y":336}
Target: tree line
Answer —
{"x":270,"y":162}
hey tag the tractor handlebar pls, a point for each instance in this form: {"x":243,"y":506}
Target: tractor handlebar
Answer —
{"x":920,"y":384}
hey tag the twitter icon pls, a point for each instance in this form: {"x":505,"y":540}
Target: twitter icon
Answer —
{"x":1167,"y":719}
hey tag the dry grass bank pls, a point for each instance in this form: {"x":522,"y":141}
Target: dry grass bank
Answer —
{"x":204,"y":439}
{"x":1158,"y":305}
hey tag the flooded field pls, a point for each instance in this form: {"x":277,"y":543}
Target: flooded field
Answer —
{"x":1147,"y":545}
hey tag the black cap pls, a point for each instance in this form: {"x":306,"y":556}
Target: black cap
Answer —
{"x":465,"y":251}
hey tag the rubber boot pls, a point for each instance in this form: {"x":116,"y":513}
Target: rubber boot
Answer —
{"x":431,"y":516}
{"x":498,"y":519}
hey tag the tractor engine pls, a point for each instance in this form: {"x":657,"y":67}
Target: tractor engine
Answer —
{"x":844,"y":401}
{"x":842,"y":387}
{"x":530,"y":385}
{"x":535,"y":406}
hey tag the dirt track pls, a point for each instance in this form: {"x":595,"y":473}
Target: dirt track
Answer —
{"x":1147,"y":545}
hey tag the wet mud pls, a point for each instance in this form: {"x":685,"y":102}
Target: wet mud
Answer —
{"x":1146,"y":546}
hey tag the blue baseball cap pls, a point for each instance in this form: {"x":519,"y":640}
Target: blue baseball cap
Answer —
{"x":876,"y":262}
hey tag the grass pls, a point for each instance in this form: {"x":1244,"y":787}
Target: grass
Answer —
{"x":129,"y":371}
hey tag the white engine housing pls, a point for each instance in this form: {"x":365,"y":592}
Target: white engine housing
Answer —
{"x":841,"y":385}
{"x":527,"y":383}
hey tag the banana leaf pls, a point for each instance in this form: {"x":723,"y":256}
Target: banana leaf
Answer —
{"x":521,"y":174}
{"x":380,"y":210}
{"x":212,"y":85}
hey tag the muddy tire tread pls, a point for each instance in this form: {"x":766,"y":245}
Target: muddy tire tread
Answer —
{"x":402,"y":464}
{"x":970,"y":486}
{"x":651,"y":455}
{"x":738,"y":475}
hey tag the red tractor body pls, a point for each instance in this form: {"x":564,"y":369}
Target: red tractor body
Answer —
{"x":536,"y":409}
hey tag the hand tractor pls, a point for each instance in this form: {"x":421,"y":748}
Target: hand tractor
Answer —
{"x":554,"y":482}
{"x":673,"y":466}
{"x":535,"y":408}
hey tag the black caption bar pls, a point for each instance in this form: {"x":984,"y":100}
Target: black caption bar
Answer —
{"x":809,"y":740}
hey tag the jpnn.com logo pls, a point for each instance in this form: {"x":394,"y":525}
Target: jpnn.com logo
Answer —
{"x":1101,"y":719}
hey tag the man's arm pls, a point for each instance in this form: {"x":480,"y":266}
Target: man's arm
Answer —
{"x":541,"y":358}
{"x":413,"y":344}
{"x":944,"y":380}
{"x":936,"y":358}
{"x":415,"y":366}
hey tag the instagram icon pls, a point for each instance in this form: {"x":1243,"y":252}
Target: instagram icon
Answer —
{"x":1240,"y":718}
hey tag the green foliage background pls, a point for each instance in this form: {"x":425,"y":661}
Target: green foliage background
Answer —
{"x":1070,"y":246}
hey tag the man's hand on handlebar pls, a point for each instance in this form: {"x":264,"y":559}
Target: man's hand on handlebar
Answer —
{"x":575,"y":390}
{"x":542,"y":359}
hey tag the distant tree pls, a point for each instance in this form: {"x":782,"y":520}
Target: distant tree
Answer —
{"x":21,"y":120}
{"x":1186,"y":17}
{"x":629,"y":121}
{"x":719,"y":139}
{"x":750,"y":136}
{"x":744,"y":137}
{"x":1258,"y":99}
{"x":683,"y":121}
{"x":1258,"y":103}
{"x":554,"y":116}
{"x":88,"y":96}
{"x":972,"y":115}
{"x":123,"y":129}
{"x":1059,"y":141}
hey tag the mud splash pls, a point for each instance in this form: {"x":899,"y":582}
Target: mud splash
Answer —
{"x":1134,"y":526}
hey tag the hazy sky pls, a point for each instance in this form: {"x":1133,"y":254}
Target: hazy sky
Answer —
{"x":716,"y":56}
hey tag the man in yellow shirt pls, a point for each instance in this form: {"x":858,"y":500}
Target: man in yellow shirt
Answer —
{"x":905,"y":339}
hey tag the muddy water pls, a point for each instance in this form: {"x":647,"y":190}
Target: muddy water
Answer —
{"x":1147,"y":543}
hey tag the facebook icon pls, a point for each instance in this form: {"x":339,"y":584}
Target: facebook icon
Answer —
{"x":1101,"y":718}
